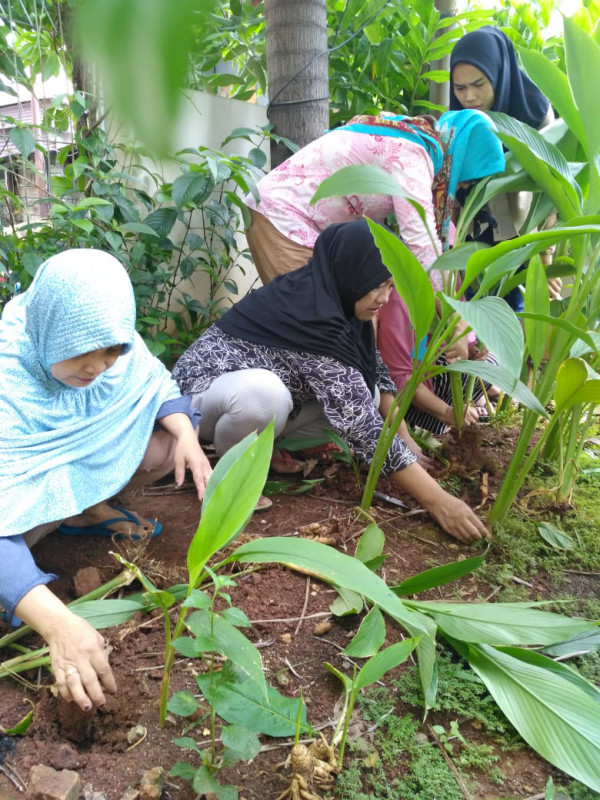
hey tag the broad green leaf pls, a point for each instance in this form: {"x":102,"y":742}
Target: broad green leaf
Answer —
{"x":537,"y":301}
{"x":188,"y":186}
{"x":571,"y":379}
{"x":501,"y":623}
{"x":427,"y":661}
{"x":226,"y":791}
{"x":358,"y":179}
{"x":137,"y":227}
{"x":582,"y":643}
{"x":161,"y":221}
{"x":370,"y":545}
{"x":347,"y":602}
{"x":370,"y":636}
{"x":231,"y":495}
{"x":147,"y":41}
{"x":204,"y":781}
{"x":579,"y":333}
{"x":183,"y":770}
{"x":456,"y":257}
{"x":84,"y":224}
{"x":555,"y":537}
{"x":240,"y":744}
{"x":582,"y":56}
{"x":479,"y":261}
{"x":183,"y":704}
{"x":236,"y":617}
{"x":330,"y":566}
{"x":542,"y":160}
{"x":410,"y":278}
{"x":107,"y":613}
{"x":231,"y":642}
{"x":554,"y":84}
{"x":498,"y":376}
{"x":495,"y":324}
{"x":241,"y":702}
{"x":438,"y":576}
{"x":550,"y":708}
{"x":22,"y":139}
{"x":90,"y":202}
{"x":384,"y":661}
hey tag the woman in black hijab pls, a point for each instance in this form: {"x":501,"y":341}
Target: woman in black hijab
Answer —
{"x":485,"y":75}
{"x":301,"y":351}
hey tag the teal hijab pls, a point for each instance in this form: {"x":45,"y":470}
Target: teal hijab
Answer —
{"x":462,"y":146}
{"x":63,"y":449}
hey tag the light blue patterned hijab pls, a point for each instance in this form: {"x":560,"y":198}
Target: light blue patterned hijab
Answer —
{"x":63,"y":449}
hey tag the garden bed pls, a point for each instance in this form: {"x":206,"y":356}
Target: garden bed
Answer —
{"x":284,"y":608}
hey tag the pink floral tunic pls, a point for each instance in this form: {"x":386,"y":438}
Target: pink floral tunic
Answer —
{"x":286,"y":191}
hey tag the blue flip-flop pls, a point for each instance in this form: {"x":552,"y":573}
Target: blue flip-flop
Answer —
{"x":104,"y":529}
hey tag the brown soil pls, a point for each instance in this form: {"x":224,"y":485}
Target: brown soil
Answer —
{"x":96,"y":744}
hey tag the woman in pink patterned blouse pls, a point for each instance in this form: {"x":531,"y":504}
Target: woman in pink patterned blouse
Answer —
{"x":426,"y":157}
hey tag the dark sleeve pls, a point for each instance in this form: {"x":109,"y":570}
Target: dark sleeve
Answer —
{"x":179,"y":405}
{"x":384,"y":382}
{"x":18,"y":574}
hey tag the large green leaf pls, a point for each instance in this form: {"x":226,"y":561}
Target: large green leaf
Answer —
{"x":411,"y":280}
{"x":543,"y":161}
{"x":106,"y":613}
{"x":550,"y":708}
{"x":356,"y":180}
{"x":495,"y":324}
{"x":438,"y":576}
{"x":501,"y":623}
{"x":498,"y":376}
{"x":582,"y":643}
{"x":537,"y":301}
{"x":573,"y":386}
{"x":231,"y":496}
{"x":227,"y":639}
{"x":582,"y":56}
{"x":330,"y":566}
{"x":242,"y":703}
{"x":389,"y":658}
{"x":555,"y":85}
{"x":369,"y":637}
{"x":148,"y":42}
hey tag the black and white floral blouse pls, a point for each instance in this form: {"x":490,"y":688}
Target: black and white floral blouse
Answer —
{"x":340,"y":389}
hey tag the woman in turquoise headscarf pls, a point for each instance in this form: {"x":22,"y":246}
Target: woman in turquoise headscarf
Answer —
{"x":80,"y":397}
{"x":427,"y":158}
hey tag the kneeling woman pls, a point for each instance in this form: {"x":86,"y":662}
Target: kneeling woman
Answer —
{"x":301,"y":350}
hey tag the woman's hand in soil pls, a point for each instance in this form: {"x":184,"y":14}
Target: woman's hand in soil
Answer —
{"x":188,"y":453}
{"x":77,"y":652}
{"x":455,"y":517}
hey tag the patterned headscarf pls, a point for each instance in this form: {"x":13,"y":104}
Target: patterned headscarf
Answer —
{"x":63,"y":449}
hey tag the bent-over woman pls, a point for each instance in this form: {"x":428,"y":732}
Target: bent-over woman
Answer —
{"x":301,"y":351}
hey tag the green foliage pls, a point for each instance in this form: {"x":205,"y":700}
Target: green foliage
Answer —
{"x":170,"y":235}
{"x":417,"y":766}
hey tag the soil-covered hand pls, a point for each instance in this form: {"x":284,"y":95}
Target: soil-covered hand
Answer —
{"x":457,"y":519}
{"x":78,"y":655}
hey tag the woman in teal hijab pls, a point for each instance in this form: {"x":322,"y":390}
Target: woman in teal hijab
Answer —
{"x":80,"y":396}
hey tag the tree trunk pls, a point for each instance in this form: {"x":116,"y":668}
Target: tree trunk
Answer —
{"x":297,"y":71}
{"x":439,"y":93}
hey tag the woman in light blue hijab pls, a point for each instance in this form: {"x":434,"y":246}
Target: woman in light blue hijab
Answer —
{"x":80,"y":395}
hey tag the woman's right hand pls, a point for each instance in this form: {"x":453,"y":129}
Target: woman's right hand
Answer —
{"x":78,"y":655}
{"x":455,"y":517}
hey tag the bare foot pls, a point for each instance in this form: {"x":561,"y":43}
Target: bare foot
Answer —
{"x":103,"y":512}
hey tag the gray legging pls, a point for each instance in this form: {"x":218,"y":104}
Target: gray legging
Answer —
{"x":237,"y":403}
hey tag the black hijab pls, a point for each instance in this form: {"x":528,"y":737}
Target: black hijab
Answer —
{"x":311,"y":309}
{"x":515,"y":94}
